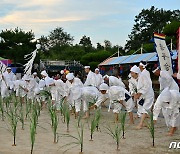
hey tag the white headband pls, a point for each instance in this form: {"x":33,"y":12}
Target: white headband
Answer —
{"x":144,"y":66}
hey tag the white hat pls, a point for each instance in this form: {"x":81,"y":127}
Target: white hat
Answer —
{"x":86,"y":66}
{"x":154,"y":71}
{"x":8,"y":68}
{"x":44,"y":73}
{"x":97,"y":69}
{"x":143,"y":64}
{"x":135,"y":69}
{"x":165,"y":95}
{"x":26,"y":77}
{"x":62,"y":72}
{"x":70,"y":76}
{"x":103,"y":86}
{"x":35,"y":73}
{"x":49,"y":81}
{"x":106,"y":76}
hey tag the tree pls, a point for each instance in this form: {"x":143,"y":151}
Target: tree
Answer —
{"x":107,"y":44}
{"x":85,"y":41}
{"x":170,"y":31}
{"x":147,"y":22}
{"x":58,"y":37}
{"x":16,"y":43}
{"x":99,"y":46}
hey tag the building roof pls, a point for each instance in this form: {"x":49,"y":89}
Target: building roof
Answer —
{"x":136,"y":58}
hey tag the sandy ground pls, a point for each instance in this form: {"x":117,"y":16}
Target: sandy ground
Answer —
{"x":137,"y":141}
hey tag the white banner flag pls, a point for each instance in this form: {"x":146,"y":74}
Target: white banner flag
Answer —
{"x":165,"y":59}
{"x":178,"y":50}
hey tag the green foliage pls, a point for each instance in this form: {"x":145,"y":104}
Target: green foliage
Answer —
{"x":171,"y":28}
{"x":33,"y":126}
{"x":85,"y":42}
{"x":151,"y":127}
{"x":115,"y":133}
{"x":148,"y":47}
{"x":2,"y":108}
{"x":123,"y":120}
{"x":78,"y":140}
{"x":67,"y":115}
{"x":147,"y":22}
{"x":16,"y":43}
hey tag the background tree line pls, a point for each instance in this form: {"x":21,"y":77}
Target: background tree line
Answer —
{"x":58,"y":45}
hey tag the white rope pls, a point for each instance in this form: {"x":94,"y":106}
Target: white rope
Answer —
{"x":29,"y":64}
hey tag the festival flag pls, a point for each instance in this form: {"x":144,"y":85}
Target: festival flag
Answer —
{"x":178,"y":48}
{"x":163,"y":52}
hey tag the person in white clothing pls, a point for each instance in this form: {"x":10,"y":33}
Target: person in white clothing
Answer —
{"x":119,"y":97}
{"x":56,"y":94}
{"x":89,"y":95}
{"x":166,"y":80}
{"x":30,"y":87}
{"x":91,"y":78}
{"x":99,"y":78}
{"x":144,"y":71}
{"x":36,"y":77}
{"x":169,"y":102}
{"x":37,"y":92}
{"x":144,"y":95}
{"x":73,"y":87}
{"x":113,"y":81}
{"x":7,"y":82}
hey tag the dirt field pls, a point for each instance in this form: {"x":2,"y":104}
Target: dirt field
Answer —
{"x":137,"y":141}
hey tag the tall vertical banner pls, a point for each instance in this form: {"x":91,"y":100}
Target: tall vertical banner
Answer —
{"x":178,"y":48}
{"x":164,"y":55}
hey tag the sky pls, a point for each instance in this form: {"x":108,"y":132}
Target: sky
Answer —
{"x":99,"y":19}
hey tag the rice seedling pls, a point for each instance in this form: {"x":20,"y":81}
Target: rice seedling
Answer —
{"x":33,"y":126}
{"x":21,"y":117}
{"x":51,"y":111}
{"x":95,"y":123}
{"x":2,"y":108}
{"x":55,"y":125}
{"x":97,"y":117}
{"x":79,"y":140}
{"x":150,"y":126}
{"x":79,"y":119}
{"x":123,"y":120}
{"x":67,"y":115}
{"x":115,"y":134}
{"x":13,"y":119}
{"x":63,"y":109}
{"x":28,"y":108}
{"x":93,"y":127}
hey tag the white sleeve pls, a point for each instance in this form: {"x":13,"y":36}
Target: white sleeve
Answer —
{"x":101,"y":99}
{"x":178,"y":75}
{"x":142,"y":86}
{"x":157,"y":108}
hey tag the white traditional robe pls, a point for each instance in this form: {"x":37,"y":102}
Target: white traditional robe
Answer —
{"x":144,"y":87}
{"x":89,"y":95}
{"x":170,"y":110}
{"x":114,"y":81}
{"x":166,"y":81}
{"x":99,"y":79}
{"x":116,"y":94}
{"x":7,"y":83}
{"x":73,"y":92}
{"x":91,"y":80}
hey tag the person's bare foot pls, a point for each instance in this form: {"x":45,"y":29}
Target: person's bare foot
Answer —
{"x":136,"y":117}
{"x":85,"y":117}
{"x":169,"y":134}
{"x":139,"y":127}
{"x":131,"y":122}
